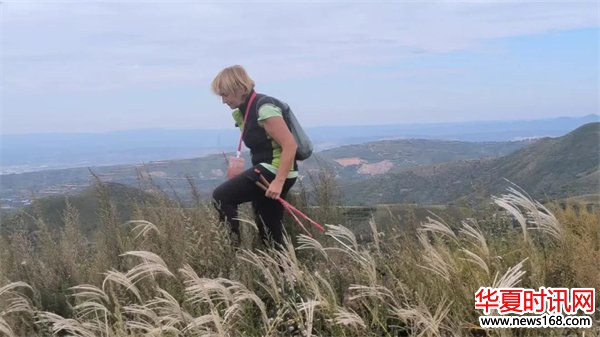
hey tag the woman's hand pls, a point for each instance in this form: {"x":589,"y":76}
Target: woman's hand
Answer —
{"x":274,"y":190}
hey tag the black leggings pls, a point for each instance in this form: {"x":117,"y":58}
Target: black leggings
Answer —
{"x":268,"y":212}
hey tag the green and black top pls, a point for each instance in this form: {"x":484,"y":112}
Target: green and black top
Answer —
{"x":264,"y":150}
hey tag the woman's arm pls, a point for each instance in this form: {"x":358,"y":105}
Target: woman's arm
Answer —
{"x":278,"y":130}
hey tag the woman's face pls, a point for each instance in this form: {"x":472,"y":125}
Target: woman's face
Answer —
{"x":233,"y":100}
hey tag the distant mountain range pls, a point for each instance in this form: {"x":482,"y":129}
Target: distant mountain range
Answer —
{"x":363,"y":161}
{"x":36,"y":152}
{"x":550,"y":168}
{"x":349,"y":163}
{"x":389,"y":171}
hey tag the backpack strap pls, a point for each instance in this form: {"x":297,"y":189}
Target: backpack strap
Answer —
{"x":239,"y":149}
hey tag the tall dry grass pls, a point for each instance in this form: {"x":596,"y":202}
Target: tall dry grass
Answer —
{"x":171,"y":271}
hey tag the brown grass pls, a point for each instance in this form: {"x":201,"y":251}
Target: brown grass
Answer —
{"x":171,"y":271}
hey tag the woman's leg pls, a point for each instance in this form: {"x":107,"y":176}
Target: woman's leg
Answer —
{"x":228,"y":195}
{"x":269,"y":213}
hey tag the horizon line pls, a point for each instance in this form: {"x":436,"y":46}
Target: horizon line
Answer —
{"x":590,"y":115}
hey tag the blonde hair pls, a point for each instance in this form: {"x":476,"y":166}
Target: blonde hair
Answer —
{"x":232,"y":79}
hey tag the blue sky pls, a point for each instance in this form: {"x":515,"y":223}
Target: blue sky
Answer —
{"x":97,"y":66}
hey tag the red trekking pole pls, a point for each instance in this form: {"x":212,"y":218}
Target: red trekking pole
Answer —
{"x":263,"y":183}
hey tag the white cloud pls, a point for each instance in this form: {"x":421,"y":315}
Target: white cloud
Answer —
{"x":91,"y":45}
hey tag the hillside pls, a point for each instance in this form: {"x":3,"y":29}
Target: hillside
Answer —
{"x":550,"y":168}
{"x":87,"y":203}
{"x":375,"y":158}
{"x":355,"y":162}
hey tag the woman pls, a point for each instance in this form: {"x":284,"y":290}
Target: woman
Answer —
{"x":272,"y":147}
